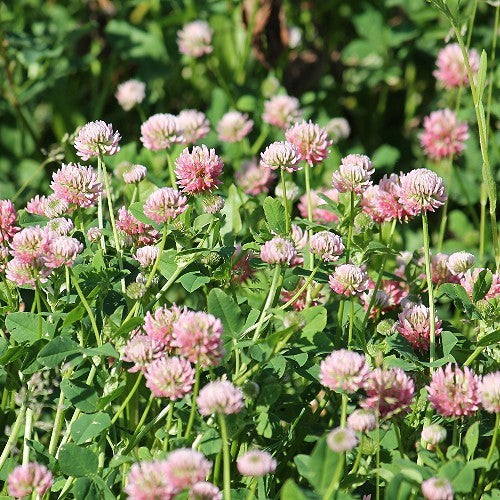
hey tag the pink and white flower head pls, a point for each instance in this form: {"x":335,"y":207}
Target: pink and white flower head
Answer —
{"x":437,"y":488}
{"x":204,"y":491}
{"x":141,"y":350}
{"x":198,"y":337}
{"x":440,"y":272}
{"x":195,"y":39}
{"x":76,"y":184}
{"x":160,"y":131}
{"x":234,"y":127}
{"x":54,"y":207}
{"x":443,"y":135}
{"x":160,"y":325}
{"x":26,"y":273}
{"x":256,"y":463}
{"x":140,"y":233}
{"x":489,"y":392}
{"x":414,"y":324}
{"x":320,"y":215}
{"x":348,"y":279}
{"x":341,"y":439}
{"x":220,"y":397}
{"x":134,"y":174}
{"x":281,"y":155}
{"x":35,"y":205}
{"x":62,"y":251}
{"x":198,"y":171}
{"x":281,"y":111}
{"x":338,"y":129}
{"x":29,"y":479}
{"x":170,"y":378}
{"x":165,"y":204}
{"x":354,"y":174}
{"x":292,"y":190}
{"x":421,"y":190}
{"x":433,"y":434}
{"x":254,"y":178}
{"x":454,"y":392}
{"x":147,"y":481}
{"x":327,"y":245}
{"x":344,"y":370}
{"x":460,"y":262}
{"x":193,"y":124}
{"x":32,"y":243}
{"x":95,"y":139}
{"x":61,"y":226}
{"x":311,"y":140}
{"x":299,"y":237}
{"x":388,"y":391}
{"x":278,"y":251}
{"x":94,"y":234}
{"x":8,"y":217}
{"x":185,"y":467}
{"x":130,"y":93}
{"x":451,"y":71}
{"x":146,"y":255}
{"x":362,"y":420}
{"x":471,"y":276}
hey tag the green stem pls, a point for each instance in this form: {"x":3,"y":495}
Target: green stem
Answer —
{"x":88,"y":309}
{"x":351,"y":323}
{"x":300,"y":291}
{"x":377,"y":455}
{"x":269,"y":301}
{"x":337,"y":475}
{"x":285,"y":203}
{"x":168,"y":425}
{"x":100,"y":218}
{"x":14,"y":433}
{"x":28,"y":429}
{"x":444,"y":214}
{"x":171,"y":171}
{"x":241,"y":73}
{"x":343,"y":411}
{"x":307,"y":169}
{"x":355,"y":466}
{"x":251,"y":490}
{"x":27,"y":182}
{"x":196,"y":390}
{"x":400,"y":441}
{"x":127,"y":399}
{"x":454,"y":438}
{"x":482,"y":224}
{"x":158,"y":257}
{"x":39,"y":309}
{"x":264,"y":132}
{"x":56,"y":430}
{"x":351,"y":227}
{"x":432,"y":314}
{"x":226,"y":457}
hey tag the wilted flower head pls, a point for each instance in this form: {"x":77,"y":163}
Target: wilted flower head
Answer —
{"x":198,"y":337}
{"x":311,"y":140}
{"x":134,"y":174}
{"x":354,"y":174}
{"x":338,"y":129}
{"x":451,"y":70}
{"x":348,"y":280}
{"x":362,"y":420}
{"x":433,"y":434}
{"x":234,"y":126}
{"x":130,"y":93}
{"x":388,"y":391}
{"x":141,"y":350}
{"x":170,"y":378}
{"x":454,"y":392}
{"x":94,"y":234}
{"x":443,"y":136}
{"x":204,"y":491}
{"x":160,"y":325}
{"x":186,"y":467}
{"x":344,"y":370}
{"x":212,"y":204}
{"x":198,"y":171}
{"x":193,"y":125}
{"x":254,"y":178}
{"x":421,"y":190}
{"x":160,"y":131}
{"x":277,"y":251}
{"x":165,"y":204}
{"x":96,"y":138}
{"x":8,"y":216}
{"x":281,"y":155}
{"x":147,"y":481}
{"x":77,"y":185}
{"x":27,"y":479}
{"x":437,"y":488}
{"x":62,"y":251}
{"x":256,"y":463}
{"x":146,"y":255}
{"x":281,"y":111}
{"x":320,"y":215}
{"x":195,"y":39}
{"x":460,"y":262}
{"x":54,"y":207}
{"x":472,"y":275}
{"x":61,"y":225}
{"x":489,"y":392}
{"x":327,"y":245}
{"x":341,"y":439}
{"x":414,"y":324}
{"x":220,"y":397}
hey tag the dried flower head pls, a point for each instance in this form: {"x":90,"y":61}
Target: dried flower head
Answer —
{"x":95,"y":139}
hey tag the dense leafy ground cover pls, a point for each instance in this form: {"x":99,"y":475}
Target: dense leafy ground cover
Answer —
{"x":249,"y":250}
